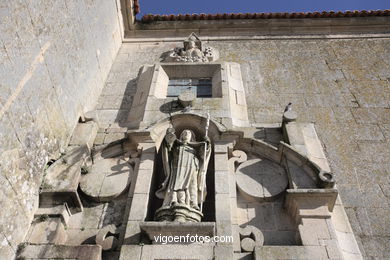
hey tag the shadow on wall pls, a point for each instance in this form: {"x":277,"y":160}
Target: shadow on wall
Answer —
{"x":272,"y":220}
{"x":126,"y":103}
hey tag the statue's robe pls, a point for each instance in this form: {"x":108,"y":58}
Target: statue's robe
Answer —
{"x":183,"y":161}
{"x":184,"y":164}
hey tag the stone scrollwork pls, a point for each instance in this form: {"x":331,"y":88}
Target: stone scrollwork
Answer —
{"x":326,"y":179}
{"x":107,"y":237}
{"x":250,"y":237}
{"x":192,"y":51}
{"x":237,"y":156}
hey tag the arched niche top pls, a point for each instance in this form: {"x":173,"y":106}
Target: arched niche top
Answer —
{"x":182,"y":121}
{"x":260,"y":148}
{"x":283,"y":153}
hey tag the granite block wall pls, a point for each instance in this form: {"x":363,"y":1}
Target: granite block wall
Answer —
{"x":340,"y":84}
{"x":54,"y":59}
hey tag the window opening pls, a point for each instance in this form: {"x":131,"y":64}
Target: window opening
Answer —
{"x":200,"y":86}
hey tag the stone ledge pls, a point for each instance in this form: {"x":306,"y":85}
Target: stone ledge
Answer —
{"x":290,"y":252}
{"x":55,"y":198}
{"x":84,"y":252}
{"x":311,"y":203}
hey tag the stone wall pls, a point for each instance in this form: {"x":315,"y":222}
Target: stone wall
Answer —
{"x":54,"y":60}
{"x":341,"y":84}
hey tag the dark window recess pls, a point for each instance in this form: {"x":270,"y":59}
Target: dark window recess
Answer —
{"x":200,"y":86}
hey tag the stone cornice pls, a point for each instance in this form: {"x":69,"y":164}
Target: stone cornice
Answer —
{"x":262,"y":27}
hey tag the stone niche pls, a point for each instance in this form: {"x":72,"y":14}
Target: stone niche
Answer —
{"x":158,"y":177}
{"x":142,"y":225}
{"x":227,"y":99}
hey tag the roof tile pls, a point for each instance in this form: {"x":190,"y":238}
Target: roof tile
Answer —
{"x":325,"y":14}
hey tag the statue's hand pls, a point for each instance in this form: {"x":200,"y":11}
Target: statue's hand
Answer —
{"x":207,"y":139}
{"x":170,"y":130}
{"x":170,"y":137}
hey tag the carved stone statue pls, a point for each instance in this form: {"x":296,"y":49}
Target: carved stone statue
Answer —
{"x":185,"y":164}
{"x":192,"y":52}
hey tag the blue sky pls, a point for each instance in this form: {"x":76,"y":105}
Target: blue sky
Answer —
{"x":256,"y":6}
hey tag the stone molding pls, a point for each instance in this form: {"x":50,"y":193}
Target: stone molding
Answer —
{"x":267,"y":27}
{"x":310,"y":203}
{"x":152,"y":104}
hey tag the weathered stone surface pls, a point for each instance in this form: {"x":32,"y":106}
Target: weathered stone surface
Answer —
{"x":338,"y":82}
{"x":106,"y":237}
{"x":84,"y":134}
{"x":260,"y":179}
{"x":144,"y":180}
{"x":107,"y":179}
{"x":84,"y":252}
{"x":222,"y":252}
{"x":308,"y":73}
{"x":113,"y":212}
{"x":48,"y":79}
{"x":130,"y":252}
{"x":12,"y":220}
{"x":60,"y":211}
{"x":113,"y":137}
{"x":81,"y":236}
{"x":132,"y":233}
{"x":50,"y":231}
{"x":62,"y":179}
{"x":348,"y":244}
{"x":6,"y":252}
{"x":222,"y":182}
{"x":261,"y":216}
{"x":307,"y":203}
{"x":292,"y":252}
{"x":62,"y":176}
{"x":204,"y":252}
{"x":139,"y":207}
{"x":89,"y":218}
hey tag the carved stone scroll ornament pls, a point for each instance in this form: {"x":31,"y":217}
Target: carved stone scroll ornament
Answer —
{"x":250,"y":237}
{"x":326,"y":180}
{"x":107,"y":237}
{"x":192,"y":52}
{"x":237,"y":157}
{"x":185,"y":164}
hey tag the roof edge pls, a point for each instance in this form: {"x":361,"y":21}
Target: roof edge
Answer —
{"x":230,"y":16}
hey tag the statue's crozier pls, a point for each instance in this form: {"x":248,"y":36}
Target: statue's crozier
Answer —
{"x":185,"y":164}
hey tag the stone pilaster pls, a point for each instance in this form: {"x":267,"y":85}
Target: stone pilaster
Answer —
{"x":140,"y":192}
{"x":312,"y":209}
{"x":223,"y":211}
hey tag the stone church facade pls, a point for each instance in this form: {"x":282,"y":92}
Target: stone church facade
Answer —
{"x":287,"y":118}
